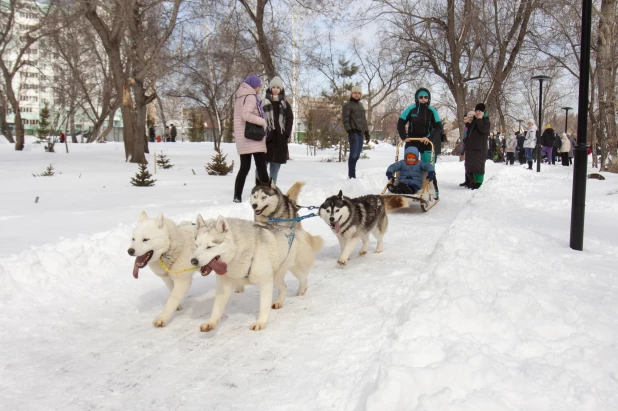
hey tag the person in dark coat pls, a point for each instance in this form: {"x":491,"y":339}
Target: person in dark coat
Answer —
{"x":279,"y":119}
{"x":476,"y":146}
{"x":467,"y":122}
{"x":355,"y":124}
{"x":556,"y":148}
{"x":547,"y":142}
{"x":151,"y":134}
{"x":520,"y":147}
{"x":173,"y":133}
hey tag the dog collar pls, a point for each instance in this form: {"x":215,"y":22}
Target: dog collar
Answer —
{"x":166,"y":268}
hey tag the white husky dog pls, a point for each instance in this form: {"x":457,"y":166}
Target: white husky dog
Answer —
{"x":241,"y":252}
{"x":166,"y":248}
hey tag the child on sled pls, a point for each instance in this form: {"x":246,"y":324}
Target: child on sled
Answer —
{"x":411,"y":170}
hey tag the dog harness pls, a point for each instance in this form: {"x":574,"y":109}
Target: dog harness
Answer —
{"x":294,"y":220}
{"x":176,"y":272}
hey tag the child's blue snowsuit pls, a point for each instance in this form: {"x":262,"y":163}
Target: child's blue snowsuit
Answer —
{"x":411,"y":175}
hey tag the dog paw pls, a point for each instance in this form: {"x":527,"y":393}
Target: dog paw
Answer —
{"x":159,"y":322}
{"x":258,"y":326}
{"x":342,"y":263}
{"x":239,"y":289}
{"x":276,"y":306}
{"x":362,"y":252}
{"x":179,"y":307}
{"x":300,"y":293}
{"x":208,"y":327}
{"x":379,"y":250}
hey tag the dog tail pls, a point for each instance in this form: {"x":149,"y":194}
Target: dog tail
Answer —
{"x":294,"y":191}
{"x":316,"y":242}
{"x":392,"y":203}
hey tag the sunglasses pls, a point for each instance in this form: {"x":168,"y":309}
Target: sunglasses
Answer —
{"x":423,"y":98}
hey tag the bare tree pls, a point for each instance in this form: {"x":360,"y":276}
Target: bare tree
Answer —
{"x":3,"y":112}
{"x":130,"y":23}
{"x":15,"y":42}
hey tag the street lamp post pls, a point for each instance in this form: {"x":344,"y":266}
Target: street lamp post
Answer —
{"x":540,"y":79}
{"x":566,"y":118}
{"x":580,"y":152}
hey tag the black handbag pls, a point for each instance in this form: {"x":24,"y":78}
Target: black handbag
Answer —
{"x":254,"y":132}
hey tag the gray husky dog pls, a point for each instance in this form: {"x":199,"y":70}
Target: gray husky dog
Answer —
{"x":352,"y":219}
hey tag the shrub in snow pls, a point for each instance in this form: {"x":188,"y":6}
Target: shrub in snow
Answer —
{"x":49,"y":171}
{"x":218,"y":166}
{"x":143,"y":178}
{"x":163,"y":161}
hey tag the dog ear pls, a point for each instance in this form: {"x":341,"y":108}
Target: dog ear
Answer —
{"x":222,"y":225}
{"x":159,"y":220}
{"x":142,"y":217}
{"x":199,"y":220}
{"x":340,"y":195}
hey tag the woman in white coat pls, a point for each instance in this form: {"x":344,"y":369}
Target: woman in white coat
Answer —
{"x":565,"y":147}
{"x":530,"y":142}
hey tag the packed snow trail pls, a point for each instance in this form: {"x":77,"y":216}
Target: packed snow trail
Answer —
{"x":427,"y":324}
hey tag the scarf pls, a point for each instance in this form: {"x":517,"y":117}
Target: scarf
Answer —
{"x":269,"y":113}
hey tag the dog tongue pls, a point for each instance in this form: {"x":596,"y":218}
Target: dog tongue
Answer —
{"x":337,"y":227}
{"x":219,"y":266}
{"x":135,"y":269}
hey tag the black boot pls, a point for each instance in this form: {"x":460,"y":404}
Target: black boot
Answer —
{"x":529,"y":165}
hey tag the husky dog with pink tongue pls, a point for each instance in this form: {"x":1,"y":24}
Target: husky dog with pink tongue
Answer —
{"x":166,"y":248}
{"x":353,"y":219}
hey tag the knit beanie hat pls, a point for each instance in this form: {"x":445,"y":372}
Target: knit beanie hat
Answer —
{"x":357,"y":89}
{"x":548,"y":126}
{"x":479,"y":107}
{"x":253,"y":81}
{"x":422,"y":93}
{"x":276,"y":82}
{"x":470,"y":114}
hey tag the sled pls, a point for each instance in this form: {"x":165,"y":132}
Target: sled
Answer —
{"x":427,"y":195}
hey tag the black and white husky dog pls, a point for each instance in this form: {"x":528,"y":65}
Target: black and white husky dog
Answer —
{"x":269,"y":202}
{"x":352,"y":219}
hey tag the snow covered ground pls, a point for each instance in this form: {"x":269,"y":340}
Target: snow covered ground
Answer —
{"x":478,"y":304}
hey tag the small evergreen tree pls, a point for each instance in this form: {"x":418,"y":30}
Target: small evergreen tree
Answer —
{"x":142,"y":178}
{"x":44,"y":129}
{"x":49,"y":171}
{"x":163,"y":161}
{"x":218,"y":166}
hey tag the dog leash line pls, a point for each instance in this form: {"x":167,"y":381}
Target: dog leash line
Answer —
{"x":166,"y":268}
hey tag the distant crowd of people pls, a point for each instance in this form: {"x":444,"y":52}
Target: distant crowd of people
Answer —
{"x":169,"y":136}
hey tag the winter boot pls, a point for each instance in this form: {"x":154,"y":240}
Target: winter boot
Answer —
{"x":529,"y":165}
{"x":237,"y":200}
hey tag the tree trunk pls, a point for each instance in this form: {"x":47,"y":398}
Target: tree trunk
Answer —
{"x":5,"y":126}
{"x":141,"y":137}
{"x":19,"y":124}
{"x":606,"y":83}
{"x":72,"y":125}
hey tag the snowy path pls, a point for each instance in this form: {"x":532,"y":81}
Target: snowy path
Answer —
{"x":478,"y":304}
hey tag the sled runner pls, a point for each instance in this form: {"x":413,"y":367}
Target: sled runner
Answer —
{"x":426,"y":196}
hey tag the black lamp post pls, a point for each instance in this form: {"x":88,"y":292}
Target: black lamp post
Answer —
{"x":566,"y":118}
{"x":580,"y":152}
{"x":541,"y":79}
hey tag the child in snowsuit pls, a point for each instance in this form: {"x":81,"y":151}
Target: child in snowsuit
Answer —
{"x":411,"y":172}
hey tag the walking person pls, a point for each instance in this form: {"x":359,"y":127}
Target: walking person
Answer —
{"x":422,"y":121}
{"x":173,"y":133}
{"x":564,"y":149}
{"x":530,"y":142}
{"x":547,"y":142}
{"x":521,"y":152}
{"x":167,"y":138}
{"x":511,"y":146}
{"x":248,"y":110}
{"x":279,"y":119}
{"x":476,"y":147}
{"x":467,"y":123}
{"x":151,"y":134}
{"x":572,"y":141}
{"x":355,"y":124}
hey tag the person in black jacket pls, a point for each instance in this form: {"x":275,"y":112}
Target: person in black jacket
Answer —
{"x":476,"y":147}
{"x":422,"y":121}
{"x":173,"y":133}
{"x":355,"y":124}
{"x":279,"y":119}
{"x":151,"y":134}
{"x":547,"y":141}
{"x":521,"y":153}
